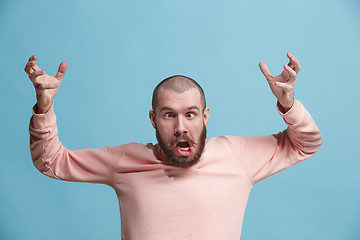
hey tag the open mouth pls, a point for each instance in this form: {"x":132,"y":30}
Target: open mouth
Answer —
{"x":184,"y":148}
{"x":183,"y":145}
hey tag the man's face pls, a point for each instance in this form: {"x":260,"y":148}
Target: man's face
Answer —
{"x":180,"y":124}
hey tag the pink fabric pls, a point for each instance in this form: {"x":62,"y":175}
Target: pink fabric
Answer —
{"x":206,"y":201}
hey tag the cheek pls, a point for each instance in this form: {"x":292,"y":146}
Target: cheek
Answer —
{"x":197,"y":129}
{"x":164,"y":129}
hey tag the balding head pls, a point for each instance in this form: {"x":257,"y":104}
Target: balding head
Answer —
{"x":179,"y":84}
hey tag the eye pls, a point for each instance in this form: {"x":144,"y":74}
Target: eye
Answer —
{"x":190,"y":115}
{"x":169,"y":115}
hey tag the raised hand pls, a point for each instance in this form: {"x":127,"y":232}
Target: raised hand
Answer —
{"x":282,"y":85}
{"x":46,"y":86}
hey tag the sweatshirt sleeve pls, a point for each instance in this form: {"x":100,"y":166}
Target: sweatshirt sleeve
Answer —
{"x":262,"y":157}
{"x":51,"y":158}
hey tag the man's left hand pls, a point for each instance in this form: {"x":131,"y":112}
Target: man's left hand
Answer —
{"x":282,"y":85}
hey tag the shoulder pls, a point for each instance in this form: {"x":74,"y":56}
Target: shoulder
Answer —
{"x":224,"y":142}
{"x":226,"y":139}
{"x":136,"y":157}
{"x":134,"y":147}
{"x":242,"y":143}
{"x":124,"y":149}
{"x":135,"y":150}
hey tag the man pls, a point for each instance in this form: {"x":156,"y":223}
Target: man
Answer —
{"x":184,"y":187}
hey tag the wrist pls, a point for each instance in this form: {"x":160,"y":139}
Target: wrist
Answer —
{"x":284,"y":107}
{"x":39,"y":108}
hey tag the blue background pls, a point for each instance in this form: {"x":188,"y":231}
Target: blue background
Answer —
{"x":117,"y":51}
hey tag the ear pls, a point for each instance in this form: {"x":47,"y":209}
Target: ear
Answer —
{"x":206,"y":115}
{"x":152,"y":118}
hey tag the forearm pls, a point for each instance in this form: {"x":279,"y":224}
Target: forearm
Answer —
{"x":44,"y":140}
{"x":265,"y":156}
{"x":51,"y":158}
{"x":302,"y":133}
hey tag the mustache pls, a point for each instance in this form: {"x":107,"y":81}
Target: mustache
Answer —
{"x":183,"y":137}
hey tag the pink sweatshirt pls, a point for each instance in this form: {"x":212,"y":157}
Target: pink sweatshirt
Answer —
{"x":161,"y":202}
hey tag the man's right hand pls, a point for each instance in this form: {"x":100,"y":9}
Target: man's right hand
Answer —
{"x":46,"y":86}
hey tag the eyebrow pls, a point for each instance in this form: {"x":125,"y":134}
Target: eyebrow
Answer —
{"x":170,"y":109}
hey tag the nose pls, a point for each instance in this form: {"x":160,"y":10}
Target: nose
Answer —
{"x":180,"y":127}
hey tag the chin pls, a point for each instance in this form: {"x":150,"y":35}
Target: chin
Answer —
{"x":184,"y":162}
{"x":179,"y":161}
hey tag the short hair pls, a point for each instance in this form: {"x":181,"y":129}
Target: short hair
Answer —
{"x":179,"y":84}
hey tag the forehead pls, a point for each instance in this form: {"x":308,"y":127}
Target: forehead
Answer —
{"x":168,"y":98}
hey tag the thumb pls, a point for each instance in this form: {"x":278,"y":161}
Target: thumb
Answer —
{"x":265,"y":70}
{"x":61,"y":71}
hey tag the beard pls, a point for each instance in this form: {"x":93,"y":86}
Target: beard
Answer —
{"x":182,"y":161}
